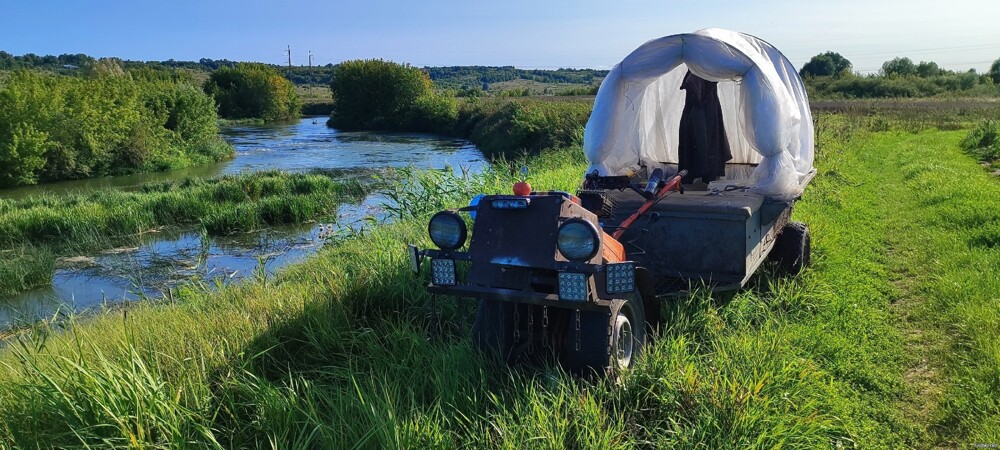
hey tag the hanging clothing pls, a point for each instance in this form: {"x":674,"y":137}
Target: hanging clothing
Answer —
{"x":703,"y":147}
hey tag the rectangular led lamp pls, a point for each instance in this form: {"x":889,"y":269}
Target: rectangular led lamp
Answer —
{"x":443,"y":272}
{"x":572,"y":287}
{"x":620,"y":277}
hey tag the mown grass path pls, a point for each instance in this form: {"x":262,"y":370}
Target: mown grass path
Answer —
{"x":945,"y":255}
{"x":931,"y":217}
{"x":890,"y":340}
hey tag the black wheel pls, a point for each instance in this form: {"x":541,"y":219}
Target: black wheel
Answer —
{"x":607,"y":341}
{"x":493,"y":331}
{"x":791,"y":249}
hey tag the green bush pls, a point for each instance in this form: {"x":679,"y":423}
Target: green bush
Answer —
{"x":375,"y":94}
{"x":983,"y":141}
{"x":56,"y":127}
{"x":514,"y":126}
{"x":252,"y":90}
{"x":434,"y":113}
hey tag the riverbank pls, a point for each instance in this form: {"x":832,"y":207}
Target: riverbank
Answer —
{"x":34,"y":231}
{"x":887,"y":341}
{"x":505,"y":126}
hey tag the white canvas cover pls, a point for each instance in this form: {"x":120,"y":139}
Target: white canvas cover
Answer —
{"x":637,"y":111}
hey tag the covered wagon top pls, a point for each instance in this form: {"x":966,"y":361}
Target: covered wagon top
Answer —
{"x":637,"y":112}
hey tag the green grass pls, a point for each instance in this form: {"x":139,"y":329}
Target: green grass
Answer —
{"x":36,"y":230}
{"x":888,"y":341}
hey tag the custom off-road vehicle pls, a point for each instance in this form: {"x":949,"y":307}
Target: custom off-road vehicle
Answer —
{"x":690,"y":183}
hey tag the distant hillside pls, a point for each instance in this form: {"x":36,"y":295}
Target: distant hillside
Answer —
{"x":452,"y":77}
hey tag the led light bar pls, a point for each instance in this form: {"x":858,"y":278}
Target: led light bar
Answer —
{"x":510,"y":203}
{"x":443,"y":272}
{"x":572,"y":287}
{"x":620,"y":277}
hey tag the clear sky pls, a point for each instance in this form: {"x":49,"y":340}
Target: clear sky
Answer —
{"x":957,"y":34}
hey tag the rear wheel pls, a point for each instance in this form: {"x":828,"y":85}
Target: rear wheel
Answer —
{"x":791,"y":249}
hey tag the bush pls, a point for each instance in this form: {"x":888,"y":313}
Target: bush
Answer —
{"x":253,"y":91}
{"x":433,"y":113}
{"x":56,"y":127}
{"x":377,"y":95}
{"x":513,"y":126}
{"x":983,"y":141}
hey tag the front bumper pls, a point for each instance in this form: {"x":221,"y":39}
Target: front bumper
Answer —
{"x":595,"y":283}
{"x":516,"y":296}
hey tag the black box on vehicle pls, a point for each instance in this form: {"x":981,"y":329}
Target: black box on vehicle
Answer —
{"x":720,"y":238}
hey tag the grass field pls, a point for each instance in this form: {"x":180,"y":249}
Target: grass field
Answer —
{"x":890,"y":340}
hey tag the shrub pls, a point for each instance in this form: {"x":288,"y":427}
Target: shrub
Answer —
{"x":253,"y":91}
{"x":57,"y":127}
{"x":513,"y":126}
{"x":434,"y":113}
{"x":377,"y":94}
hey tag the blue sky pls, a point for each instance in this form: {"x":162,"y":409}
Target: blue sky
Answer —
{"x":957,"y":34}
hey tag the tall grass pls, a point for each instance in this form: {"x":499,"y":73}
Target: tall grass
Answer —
{"x":347,"y":350}
{"x":983,"y":142}
{"x":39,"y":228}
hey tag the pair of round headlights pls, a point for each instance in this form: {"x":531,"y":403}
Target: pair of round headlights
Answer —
{"x":577,"y":240}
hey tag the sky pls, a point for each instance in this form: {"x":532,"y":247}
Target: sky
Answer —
{"x":956,"y":34}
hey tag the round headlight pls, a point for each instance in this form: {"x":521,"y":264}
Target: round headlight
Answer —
{"x":578,"y":240}
{"x":447,"y":230}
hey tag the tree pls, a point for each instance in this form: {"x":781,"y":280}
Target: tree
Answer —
{"x":995,"y":71}
{"x":899,"y":67}
{"x":928,"y":69}
{"x":375,"y":94}
{"x":969,"y":79}
{"x":253,"y":90}
{"x":829,"y":64}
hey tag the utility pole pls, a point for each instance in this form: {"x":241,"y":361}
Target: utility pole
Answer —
{"x":289,"y":52}
{"x":310,"y":59}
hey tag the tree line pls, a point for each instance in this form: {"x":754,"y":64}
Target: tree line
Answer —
{"x":830,"y":75}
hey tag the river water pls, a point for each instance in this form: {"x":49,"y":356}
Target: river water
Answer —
{"x":165,"y":258}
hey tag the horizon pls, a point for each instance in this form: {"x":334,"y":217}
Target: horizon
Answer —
{"x":522,"y":34}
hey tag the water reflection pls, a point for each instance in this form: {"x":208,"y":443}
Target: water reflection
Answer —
{"x":298,"y":146}
{"x":162,"y":260}
{"x":158,"y":261}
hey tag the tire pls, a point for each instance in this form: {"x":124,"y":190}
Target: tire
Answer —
{"x":791,"y":249}
{"x":493,"y":331}
{"x":627,"y":321}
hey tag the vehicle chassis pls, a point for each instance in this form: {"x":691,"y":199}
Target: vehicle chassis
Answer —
{"x":711,"y":238}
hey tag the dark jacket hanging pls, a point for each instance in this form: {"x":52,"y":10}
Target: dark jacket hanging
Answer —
{"x":703,"y":148}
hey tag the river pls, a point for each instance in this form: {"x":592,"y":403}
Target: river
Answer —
{"x":164,"y":259}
